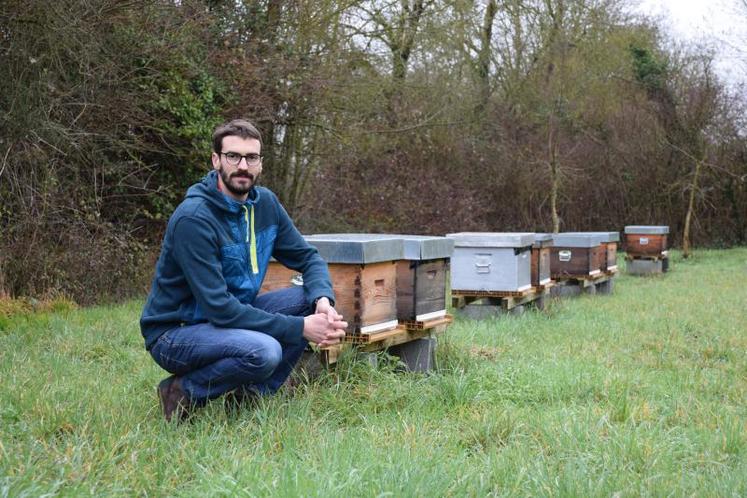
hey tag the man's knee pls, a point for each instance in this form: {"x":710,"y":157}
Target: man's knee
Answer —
{"x":263,"y":359}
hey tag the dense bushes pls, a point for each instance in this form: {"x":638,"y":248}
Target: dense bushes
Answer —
{"x":401,"y":117}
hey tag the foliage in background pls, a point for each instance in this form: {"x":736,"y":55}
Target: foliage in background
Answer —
{"x":421,"y":116}
{"x":107,"y":111}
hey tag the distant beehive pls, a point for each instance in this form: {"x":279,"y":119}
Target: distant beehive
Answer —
{"x":577,"y":254}
{"x":491,"y":261}
{"x":646,"y":241}
{"x":609,"y":241}
{"x":363,"y":269}
{"x":541,"y":254}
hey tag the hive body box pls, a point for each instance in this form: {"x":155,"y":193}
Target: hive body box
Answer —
{"x":279,"y":277}
{"x":646,"y":241}
{"x":421,"y":274}
{"x":576,"y":255}
{"x":541,"y":254}
{"x":363,"y":269}
{"x":421,"y":277}
{"x":609,"y":241}
{"x":491,"y":261}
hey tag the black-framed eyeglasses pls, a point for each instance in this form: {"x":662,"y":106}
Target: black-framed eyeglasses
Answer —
{"x":234,"y":158}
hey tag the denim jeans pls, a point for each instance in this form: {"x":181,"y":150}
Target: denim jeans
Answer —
{"x":212,"y":361}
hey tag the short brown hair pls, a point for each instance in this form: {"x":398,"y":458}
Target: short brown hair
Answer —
{"x":238,"y":127}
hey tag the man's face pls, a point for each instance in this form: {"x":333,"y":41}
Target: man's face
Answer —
{"x":236,"y":179}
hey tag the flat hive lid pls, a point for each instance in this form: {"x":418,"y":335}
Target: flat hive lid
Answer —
{"x":416,"y":247}
{"x":357,"y":248}
{"x":606,"y":236}
{"x":421,"y":247}
{"x":572,"y":239}
{"x":647,"y":229}
{"x":542,"y":240}
{"x":492,"y":239}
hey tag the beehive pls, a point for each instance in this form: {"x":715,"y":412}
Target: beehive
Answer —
{"x":646,"y":241}
{"x":363,"y":270}
{"x":541,"y":254}
{"x":279,"y":277}
{"x":576,"y":255}
{"x":491,"y":261}
{"x":609,"y":241}
{"x":421,"y":277}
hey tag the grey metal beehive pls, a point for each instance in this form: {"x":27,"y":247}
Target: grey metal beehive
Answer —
{"x":647,"y":229}
{"x":491,"y":261}
{"x":358,"y":248}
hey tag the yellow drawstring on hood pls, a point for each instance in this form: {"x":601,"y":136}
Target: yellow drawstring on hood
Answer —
{"x":253,"y":239}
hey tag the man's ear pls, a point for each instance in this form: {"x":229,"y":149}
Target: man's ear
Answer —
{"x":215,"y":158}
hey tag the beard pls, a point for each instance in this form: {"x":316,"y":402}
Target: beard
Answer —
{"x":235,"y":187}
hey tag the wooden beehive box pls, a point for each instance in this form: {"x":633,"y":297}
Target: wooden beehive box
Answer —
{"x":280,"y":277}
{"x":541,"y":254}
{"x":363,"y":269}
{"x":576,"y":255}
{"x":421,"y":277}
{"x":646,"y":241}
{"x":491,"y":261}
{"x":609,"y":241}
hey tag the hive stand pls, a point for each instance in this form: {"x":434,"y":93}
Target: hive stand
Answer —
{"x":569,"y":286}
{"x":646,"y":266}
{"x":414,"y":344}
{"x":483,"y":304}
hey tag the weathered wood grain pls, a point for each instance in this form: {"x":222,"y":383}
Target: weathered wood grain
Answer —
{"x":645,"y":245}
{"x":583,"y":261}
{"x":277,"y":277}
{"x":541,"y":265}
{"x":610,"y":261}
{"x":421,"y":287}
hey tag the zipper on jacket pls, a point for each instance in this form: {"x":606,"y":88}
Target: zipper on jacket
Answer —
{"x":249,"y":219}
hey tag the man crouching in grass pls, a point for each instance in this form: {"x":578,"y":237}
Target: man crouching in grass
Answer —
{"x":203,"y":321}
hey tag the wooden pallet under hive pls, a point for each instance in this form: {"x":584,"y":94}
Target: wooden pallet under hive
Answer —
{"x":506,"y":300}
{"x":380,"y":341}
{"x":587,"y":280}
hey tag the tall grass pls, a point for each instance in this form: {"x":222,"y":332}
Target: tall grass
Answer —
{"x":641,"y":393}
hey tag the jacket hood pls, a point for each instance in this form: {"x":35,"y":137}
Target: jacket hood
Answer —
{"x":207,"y":189}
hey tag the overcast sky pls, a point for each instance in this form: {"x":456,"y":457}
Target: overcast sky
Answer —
{"x":720,"y":23}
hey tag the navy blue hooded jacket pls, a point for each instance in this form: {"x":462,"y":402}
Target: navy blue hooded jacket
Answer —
{"x":214,"y":257}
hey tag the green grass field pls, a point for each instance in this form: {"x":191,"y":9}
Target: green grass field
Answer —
{"x":641,"y":393}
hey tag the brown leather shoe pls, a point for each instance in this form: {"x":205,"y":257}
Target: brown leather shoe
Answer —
{"x":174,"y":401}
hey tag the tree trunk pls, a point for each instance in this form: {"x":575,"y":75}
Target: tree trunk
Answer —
{"x":552,"y":150}
{"x":691,"y":209}
{"x":483,"y":62}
